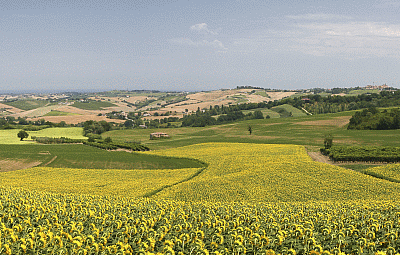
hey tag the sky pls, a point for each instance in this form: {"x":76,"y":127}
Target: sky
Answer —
{"x":183,"y":45}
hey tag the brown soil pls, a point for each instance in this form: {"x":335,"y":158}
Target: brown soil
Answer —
{"x":338,"y":122}
{"x":12,"y":164}
{"x":11,"y":109}
{"x":317,"y":156}
{"x":279,"y":95}
{"x":76,"y":119}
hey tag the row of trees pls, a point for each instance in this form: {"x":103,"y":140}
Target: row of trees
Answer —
{"x":317,"y":104}
{"x":201,"y":119}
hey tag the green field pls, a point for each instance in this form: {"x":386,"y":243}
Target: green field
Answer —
{"x":59,"y":113}
{"x":9,"y":136}
{"x":27,"y":104}
{"x":86,"y":157}
{"x":306,"y":130}
{"x":288,"y":111}
{"x":92,"y":105}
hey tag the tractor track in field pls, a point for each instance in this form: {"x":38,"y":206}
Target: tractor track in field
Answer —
{"x":50,"y":161}
{"x":152,"y":193}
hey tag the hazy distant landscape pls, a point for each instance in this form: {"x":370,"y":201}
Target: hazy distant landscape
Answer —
{"x":200,"y":127}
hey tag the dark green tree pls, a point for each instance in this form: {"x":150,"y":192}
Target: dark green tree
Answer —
{"x":258,"y":114}
{"x":250,"y":130}
{"x":22,"y":134}
{"x":328,"y":141}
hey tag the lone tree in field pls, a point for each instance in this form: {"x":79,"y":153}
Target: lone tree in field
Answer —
{"x":250,"y":129}
{"x":328,"y":142}
{"x":22,"y":134}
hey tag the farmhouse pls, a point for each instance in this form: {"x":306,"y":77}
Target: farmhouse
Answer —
{"x":158,"y":135}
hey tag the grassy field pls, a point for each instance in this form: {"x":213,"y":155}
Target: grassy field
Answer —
{"x":59,"y":113}
{"x":86,"y":157}
{"x":9,"y":136}
{"x":93,"y":105}
{"x":27,"y":104}
{"x":288,"y":111}
{"x":69,"y":132}
{"x":306,"y":130}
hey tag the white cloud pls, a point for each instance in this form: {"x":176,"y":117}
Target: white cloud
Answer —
{"x":203,"y":43}
{"x":322,"y":36}
{"x":355,"y":39}
{"x":203,"y":29}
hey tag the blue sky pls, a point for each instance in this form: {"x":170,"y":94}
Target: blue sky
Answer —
{"x":197,"y":45}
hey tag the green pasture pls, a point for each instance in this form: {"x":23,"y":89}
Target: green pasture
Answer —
{"x":262,"y":93}
{"x":9,"y":136}
{"x":41,"y":111}
{"x":306,"y":130}
{"x":288,"y":111}
{"x":28,"y":104}
{"x":86,"y":157}
{"x":92,"y":105}
{"x":357,"y":92}
{"x":60,"y":113}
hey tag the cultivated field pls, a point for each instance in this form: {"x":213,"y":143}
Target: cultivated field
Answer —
{"x":251,"y":199}
{"x":207,"y":190}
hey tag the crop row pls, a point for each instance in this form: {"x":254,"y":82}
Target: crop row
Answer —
{"x":114,"y":146}
{"x":363,"y":153}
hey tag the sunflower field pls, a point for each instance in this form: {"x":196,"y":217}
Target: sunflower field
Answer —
{"x":250,"y":199}
{"x":47,"y":223}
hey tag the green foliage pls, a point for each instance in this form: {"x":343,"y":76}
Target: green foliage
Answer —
{"x":94,"y":127}
{"x":363,"y":153}
{"x":108,"y":140}
{"x":92,"y":105}
{"x":258,"y":114}
{"x":56,"y":140}
{"x":331,"y":104}
{"x":113,"y":146}
{"x":328,"y":141}
{"x":22,"y":134}
{"x":373,"y":119}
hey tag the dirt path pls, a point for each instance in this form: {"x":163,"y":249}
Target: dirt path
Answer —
{"x":317,"y":156}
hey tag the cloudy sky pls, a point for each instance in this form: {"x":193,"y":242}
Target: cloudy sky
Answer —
{"x":83,"y":45}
